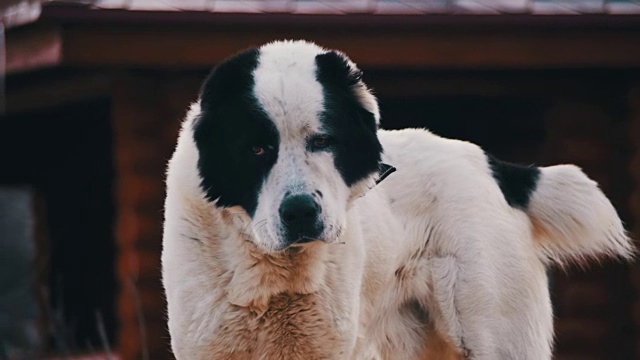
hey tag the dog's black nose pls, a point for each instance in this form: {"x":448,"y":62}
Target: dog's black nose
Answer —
{"x":299,"y":214}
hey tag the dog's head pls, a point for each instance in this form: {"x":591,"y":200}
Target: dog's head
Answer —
{"x":286,"y":137}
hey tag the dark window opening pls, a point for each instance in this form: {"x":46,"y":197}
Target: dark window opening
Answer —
{"x":510,"y":128}
{"x":65,"y":156}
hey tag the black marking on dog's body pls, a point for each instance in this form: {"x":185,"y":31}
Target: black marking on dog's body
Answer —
{"x":231,"y":122}
{"x":352,"y":128}
{"x":516,"y":182}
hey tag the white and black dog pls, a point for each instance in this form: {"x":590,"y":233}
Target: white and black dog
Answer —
{"x":280,"y":244}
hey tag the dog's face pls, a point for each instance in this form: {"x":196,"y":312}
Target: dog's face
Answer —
{"x":287,"y":139}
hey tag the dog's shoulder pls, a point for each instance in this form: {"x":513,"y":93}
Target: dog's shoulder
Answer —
{"x":429,"y":165}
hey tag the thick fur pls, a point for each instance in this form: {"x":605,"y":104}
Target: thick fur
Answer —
{"x":444,"y":259}
{"x":572,"y":219}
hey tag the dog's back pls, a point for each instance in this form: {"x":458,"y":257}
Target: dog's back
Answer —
{"x":481,"y":233}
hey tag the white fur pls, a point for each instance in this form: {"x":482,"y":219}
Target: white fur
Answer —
{"x":437,"y":233}
{"x":576,"y":217}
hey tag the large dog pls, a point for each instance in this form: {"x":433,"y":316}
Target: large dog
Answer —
{"x":279,"y":243}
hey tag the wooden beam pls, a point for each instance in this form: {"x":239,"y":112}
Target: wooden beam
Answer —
{"x":542,"y":83}
{"x":33,"y":47}
{"x":146,"y":108}
{"x":197,"y":47}
{"x":51,"y":90}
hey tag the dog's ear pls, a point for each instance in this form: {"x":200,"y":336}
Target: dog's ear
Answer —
{"x":340,"y":73}
{"x":338,"y":69}
{"x":227,"y":79}
{"x":384,"y":171}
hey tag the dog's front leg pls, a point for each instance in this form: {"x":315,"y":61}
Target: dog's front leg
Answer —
{"x":463,"y":305}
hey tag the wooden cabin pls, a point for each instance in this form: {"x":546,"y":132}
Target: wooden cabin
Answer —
{"x":95,"y":91}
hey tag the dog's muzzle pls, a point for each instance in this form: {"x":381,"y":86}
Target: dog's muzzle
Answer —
{"x":300,"y":217}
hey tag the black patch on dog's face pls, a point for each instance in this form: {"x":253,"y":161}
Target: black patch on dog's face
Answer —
{"x":516,"y":182}
{"x":353,"y":129}
{"x":227,"y":132}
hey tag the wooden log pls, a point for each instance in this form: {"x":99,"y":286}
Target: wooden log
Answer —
{"x":399,"y":47}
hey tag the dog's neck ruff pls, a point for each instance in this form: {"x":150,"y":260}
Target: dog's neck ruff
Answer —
{"x":256,"y":277}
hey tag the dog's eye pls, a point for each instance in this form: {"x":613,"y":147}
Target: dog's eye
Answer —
{"x":258,"y":150}
{"x":320,"y":142}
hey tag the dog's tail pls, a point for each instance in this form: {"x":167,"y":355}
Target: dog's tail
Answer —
{"x":572,"y":220}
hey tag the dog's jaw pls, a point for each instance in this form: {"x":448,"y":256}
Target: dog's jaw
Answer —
{"x":258,"y":273}
{"x":257,"y":276}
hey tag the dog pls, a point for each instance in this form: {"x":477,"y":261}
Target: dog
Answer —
{"x":288,"y":235}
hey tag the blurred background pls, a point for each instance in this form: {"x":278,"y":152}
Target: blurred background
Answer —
{"x":93,"y":93}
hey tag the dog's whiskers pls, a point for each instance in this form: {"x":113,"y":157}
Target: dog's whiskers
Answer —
{"x":253,"y":227}
{"x":259,"y":226}
{"x":260,"y":230}
{"x":192,"y":223}
{"x":309,"y":238}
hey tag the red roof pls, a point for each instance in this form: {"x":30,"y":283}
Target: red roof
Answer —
{"x":17,"y":12}
{"x":370,"y":6}
{"x":354,"y":12}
